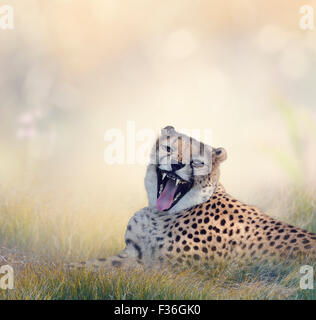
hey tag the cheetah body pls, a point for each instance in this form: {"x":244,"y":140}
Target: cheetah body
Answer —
{"x":206,"y":224}
{"x":220,"y":228}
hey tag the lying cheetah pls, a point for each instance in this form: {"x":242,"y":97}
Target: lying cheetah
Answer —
{"x":191,"y":217}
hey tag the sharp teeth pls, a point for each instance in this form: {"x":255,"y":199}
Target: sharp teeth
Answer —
{"x":160,"y":189}
{"x":177,"y":196}
{"x":177,"y":182}
{"x":163,"y":175}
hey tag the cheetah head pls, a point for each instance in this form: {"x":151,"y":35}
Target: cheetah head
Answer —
{"x":182,"y":172}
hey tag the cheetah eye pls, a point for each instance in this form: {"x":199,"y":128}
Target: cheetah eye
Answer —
{"x":197,"y":163}
{"x":166,"y":148}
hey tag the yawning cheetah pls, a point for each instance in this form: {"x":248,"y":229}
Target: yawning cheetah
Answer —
{"x":191,"y":217}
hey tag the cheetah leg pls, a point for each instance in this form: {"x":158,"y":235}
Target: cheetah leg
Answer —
{"x":125,"y":260}
{"x":118,"y":261}
{"x":134,"y":253}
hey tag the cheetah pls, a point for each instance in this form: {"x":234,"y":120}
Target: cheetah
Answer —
{"x":190,"y":217}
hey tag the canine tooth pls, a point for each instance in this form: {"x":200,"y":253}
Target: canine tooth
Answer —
{"x":163,"y":175}
{"x":177,"y":182}
{"x":177,"y":196}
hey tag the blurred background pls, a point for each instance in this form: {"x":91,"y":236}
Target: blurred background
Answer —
{"x":73,"y":69}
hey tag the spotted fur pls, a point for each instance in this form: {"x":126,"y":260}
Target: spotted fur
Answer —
{"x":210,"y":226}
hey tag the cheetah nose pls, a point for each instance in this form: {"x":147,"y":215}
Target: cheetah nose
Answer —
{"x":177,"y":166}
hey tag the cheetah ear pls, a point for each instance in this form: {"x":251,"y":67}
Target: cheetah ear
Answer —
{"x":168,"y":129}
{"x":220,"y":154}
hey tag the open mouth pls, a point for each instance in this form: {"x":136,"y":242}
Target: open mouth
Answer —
{"x":170,"y":189}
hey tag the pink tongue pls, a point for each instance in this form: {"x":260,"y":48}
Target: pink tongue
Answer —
{"x":164,"y":201}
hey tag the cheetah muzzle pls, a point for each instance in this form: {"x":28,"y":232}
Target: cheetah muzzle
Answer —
{"x":170,"y":189}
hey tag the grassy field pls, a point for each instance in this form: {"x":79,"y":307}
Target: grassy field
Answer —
{"x":37,"y":236}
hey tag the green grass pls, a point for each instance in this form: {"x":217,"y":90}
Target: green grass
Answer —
{"x":220,"y":281}
{"x":46,"y":235}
